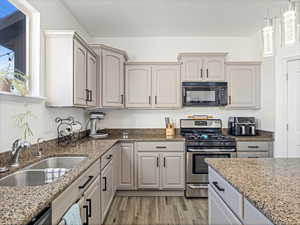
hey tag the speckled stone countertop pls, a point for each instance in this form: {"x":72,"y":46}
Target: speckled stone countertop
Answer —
{"x":271,"y":185}
{"x":19,"y":205}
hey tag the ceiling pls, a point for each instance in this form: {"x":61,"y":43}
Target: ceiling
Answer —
{"x":136,"y":18}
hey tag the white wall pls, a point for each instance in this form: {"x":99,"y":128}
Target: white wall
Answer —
{"x":53,"y":16}
{"x":166,"y":49}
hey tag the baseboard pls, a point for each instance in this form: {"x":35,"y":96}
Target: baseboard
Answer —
{"x":153,"y":193}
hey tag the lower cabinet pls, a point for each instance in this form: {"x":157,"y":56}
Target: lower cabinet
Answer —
{"x":219,"y":213}
{"x":107,"y":192}
{"x":161,"y":170}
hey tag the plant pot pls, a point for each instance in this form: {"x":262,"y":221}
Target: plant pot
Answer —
{"x":4,"y":86}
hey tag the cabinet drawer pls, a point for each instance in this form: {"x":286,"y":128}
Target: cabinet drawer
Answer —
{"x":107,"y":157}
{"x":62,"y":203}
{"x":253,"y":146}
{"x":160,"y":146}
{"x":253,"y":216}
{"x":253,"y":155}
{"x":230,"y":195}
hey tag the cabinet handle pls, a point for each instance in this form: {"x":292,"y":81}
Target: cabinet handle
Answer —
{"x":207,"y":73}
{"x":253,"y":146}
{"x":122,"y":99}
{"x":90,"y":207}
{"x":218,"y":187}
{"x":161,"y":147}
{"x":91,"y":95}
{"x":86,"y":183}
{"x":87,"y":93}
{"x":109,"y":156}
{"x":201,"y":73}
{"x":149,"y":100}
{"x":155,"y":100}
{"x":229,"y":100}
{"x":253,"y":157}
{"x":164,"y":162}
{"x":86,"y":215}
{"x":105,"y":184}
{"x":157,"y":161}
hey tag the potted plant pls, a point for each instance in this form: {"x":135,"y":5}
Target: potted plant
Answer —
{"x":15,"y":81}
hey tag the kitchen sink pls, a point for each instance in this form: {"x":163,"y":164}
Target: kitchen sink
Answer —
{"x":58,"y":162}
{"x":25,"y":178}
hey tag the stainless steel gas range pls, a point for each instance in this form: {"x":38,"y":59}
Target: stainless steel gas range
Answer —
{"x":204,"y":139}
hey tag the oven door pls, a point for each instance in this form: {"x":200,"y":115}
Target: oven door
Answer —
{"x":197,"y":169}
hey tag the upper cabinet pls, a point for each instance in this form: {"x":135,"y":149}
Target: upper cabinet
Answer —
{"x":197,"y":67}
{"x":71,"y":69}
{"x":243,"y":85}
{"x":111,"y":76}
{"x":152,"y":85}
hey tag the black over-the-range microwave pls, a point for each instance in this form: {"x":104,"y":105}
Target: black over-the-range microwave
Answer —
{"x":204,"y":93}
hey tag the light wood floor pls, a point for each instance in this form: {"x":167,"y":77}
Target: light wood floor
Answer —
{"x":157,"y":211}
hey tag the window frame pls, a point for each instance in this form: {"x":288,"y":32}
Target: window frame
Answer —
{"x":32,"y":46}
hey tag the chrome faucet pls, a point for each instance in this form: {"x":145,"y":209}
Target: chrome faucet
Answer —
{"x":17,"y":148}
{"x":40,"y":141}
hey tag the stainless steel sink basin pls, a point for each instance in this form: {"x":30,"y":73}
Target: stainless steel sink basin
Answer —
{"x":58,"y":162}
{"x":25,"y":178}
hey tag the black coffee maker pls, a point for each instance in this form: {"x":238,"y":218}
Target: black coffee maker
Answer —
{"x":242,"y":126}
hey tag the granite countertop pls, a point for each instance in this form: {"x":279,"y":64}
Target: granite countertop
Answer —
{"x":262,"y":136}
{"x":271,"y":185}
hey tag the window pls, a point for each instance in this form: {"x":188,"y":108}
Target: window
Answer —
{"x":19,"y":48}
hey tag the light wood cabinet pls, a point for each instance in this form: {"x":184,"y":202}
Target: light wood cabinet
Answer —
{"x":173,"y":168}
{"x":71,"y":70}
{"x":126,"y":158}
{"x":153,"y":85}
{"x":112,"y":79}
{"x":243,"y":85}
{"x":107,"y":192}
{"x":148,"y":170}
{"x":166,"y":86}
{"x":138,"y":86}
{"x":197,"y":67}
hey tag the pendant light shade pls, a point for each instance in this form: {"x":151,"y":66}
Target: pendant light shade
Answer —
{"x":289,"y":24}
{"x":268,"y":37}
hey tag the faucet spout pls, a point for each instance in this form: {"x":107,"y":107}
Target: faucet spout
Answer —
{"x":17,"y":148}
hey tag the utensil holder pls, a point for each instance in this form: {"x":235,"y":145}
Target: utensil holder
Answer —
{"x":170,"y":131}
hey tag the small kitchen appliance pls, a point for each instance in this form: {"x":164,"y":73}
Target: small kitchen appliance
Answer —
{"x":204,"y":93}
{"x":203,"y":139}
{"x":95,"y":118}
{"x":242,"y":126}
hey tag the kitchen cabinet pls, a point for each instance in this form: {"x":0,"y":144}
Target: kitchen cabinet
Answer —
{"x":138,"y":86}
{"x":126,"y":179}
{"x":254,"y":149}
{"x":107,"y":192}
{"x":166,"y":86}
{"x":68,"y":54}
{"x":153,"y":85}
{"x":198,"y":67}
{"x":173,"y":168}
{"x":148,"y":170}
{"x":253,"y":216}
{"x":112,"y":79}
{"x":243,"y":85}
{"x":92,"y":206}
{"x":162,"y":168}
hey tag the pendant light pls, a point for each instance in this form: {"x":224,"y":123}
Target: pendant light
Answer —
{"x":289,"y":24}
{"x":268,"y":38}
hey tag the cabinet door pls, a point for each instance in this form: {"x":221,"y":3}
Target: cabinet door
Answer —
{"x":166,"y":86}
{"x":106,"y":189}
{"x":192,"y":69}
{"x":173,"y":170}
{"x":138,"y":86}
{"x":80,"y":65}
{"x":219,"y":213}
{"x":126,"y":167}
{"x":244,"y":88}
{"x":92,"y":201}
{"x":113,"y":79}
{"x":148,"y":170}
{"x":214,"y":69}
{"x":92,"y":79}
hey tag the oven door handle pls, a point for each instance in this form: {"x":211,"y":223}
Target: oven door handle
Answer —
{"x":211,"y":150}
{"x":198,"y":186}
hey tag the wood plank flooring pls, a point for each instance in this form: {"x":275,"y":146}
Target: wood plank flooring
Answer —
{"x":157,"y":211}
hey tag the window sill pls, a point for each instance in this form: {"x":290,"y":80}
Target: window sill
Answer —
{"x":9,"y":95}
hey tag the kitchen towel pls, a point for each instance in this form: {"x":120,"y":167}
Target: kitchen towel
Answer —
{"x":52,"y":174}
{"x":72,"y":216}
